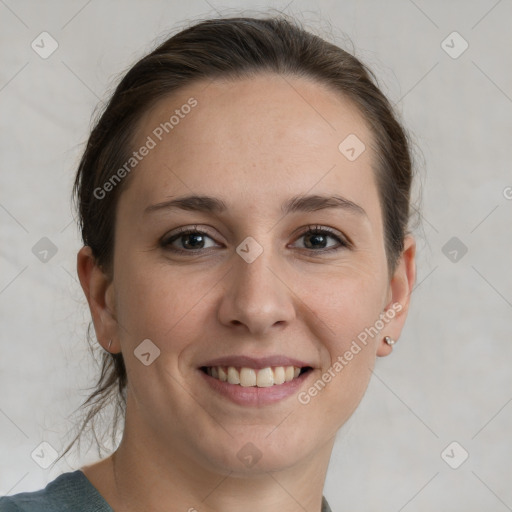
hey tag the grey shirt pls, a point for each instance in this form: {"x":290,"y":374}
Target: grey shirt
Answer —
{"x":69,"y":492}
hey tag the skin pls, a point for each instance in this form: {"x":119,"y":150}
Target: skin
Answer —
{"x":253,"y":143}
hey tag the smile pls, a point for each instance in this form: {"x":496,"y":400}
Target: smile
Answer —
{"x":251,"y":377}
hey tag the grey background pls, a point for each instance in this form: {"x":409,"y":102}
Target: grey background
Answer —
{"x":449,"y":376}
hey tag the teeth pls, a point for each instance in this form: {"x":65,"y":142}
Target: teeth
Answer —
{"x":223,"y":376}
{"x":233,"y":375}
{"x":249,"y":377}
{"x":279,"y":375}
{"x":265,"y":378}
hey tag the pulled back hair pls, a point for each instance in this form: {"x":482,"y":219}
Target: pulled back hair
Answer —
{"x":228,"y":48}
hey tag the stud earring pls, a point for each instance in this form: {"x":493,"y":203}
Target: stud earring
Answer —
{"x":389,"y":341}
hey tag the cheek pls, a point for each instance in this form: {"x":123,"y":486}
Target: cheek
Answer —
{"x":350,"y":310}
{"x":159,"y":302}
{"x":347,"y":302}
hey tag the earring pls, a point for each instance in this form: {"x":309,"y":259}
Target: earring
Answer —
{"x":389,"y":341}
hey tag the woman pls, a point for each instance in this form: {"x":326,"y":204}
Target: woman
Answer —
{"x":244,"y":203}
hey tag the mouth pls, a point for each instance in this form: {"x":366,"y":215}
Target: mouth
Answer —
{"x":255,"y":377}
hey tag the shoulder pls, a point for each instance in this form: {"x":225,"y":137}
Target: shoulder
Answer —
{"x":68,"y":492}
{"x":7,"y":505}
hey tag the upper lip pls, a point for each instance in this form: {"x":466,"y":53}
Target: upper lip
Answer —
{"x":256,"y":362}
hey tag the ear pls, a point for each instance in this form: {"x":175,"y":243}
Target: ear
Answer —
{"x":98,"y":289}
{"x":399,"y":295}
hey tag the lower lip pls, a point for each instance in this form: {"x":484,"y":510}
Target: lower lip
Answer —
{"x":254,"y":396}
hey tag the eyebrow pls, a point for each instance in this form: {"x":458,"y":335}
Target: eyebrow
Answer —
{"x":295,"y":204}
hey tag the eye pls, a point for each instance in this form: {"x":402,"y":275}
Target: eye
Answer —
{"x":189,"y":240}
{"x":316,"y":238}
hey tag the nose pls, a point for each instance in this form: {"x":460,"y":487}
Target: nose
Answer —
{"x":256,"y":296}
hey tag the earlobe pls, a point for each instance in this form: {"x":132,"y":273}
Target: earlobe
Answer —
{"x":98,"y":290}
{"x":400,"y":288}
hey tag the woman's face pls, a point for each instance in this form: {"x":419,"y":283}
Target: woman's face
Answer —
{"x":252,"y":287}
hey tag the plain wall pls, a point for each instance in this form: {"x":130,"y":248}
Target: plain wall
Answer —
{"x":449,"y":376}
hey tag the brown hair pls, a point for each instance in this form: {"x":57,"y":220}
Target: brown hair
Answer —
{"x":229,"y":48}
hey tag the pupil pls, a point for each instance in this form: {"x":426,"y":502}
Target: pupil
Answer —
{"x":188,"y":237}
{"x":316,"y":237}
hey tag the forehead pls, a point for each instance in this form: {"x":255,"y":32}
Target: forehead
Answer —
{"x":254,"y":139}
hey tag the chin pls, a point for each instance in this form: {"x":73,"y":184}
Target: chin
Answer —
{"x":259,"y":453}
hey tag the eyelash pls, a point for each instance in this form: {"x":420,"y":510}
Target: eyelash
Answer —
{"x":315,"y":230}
